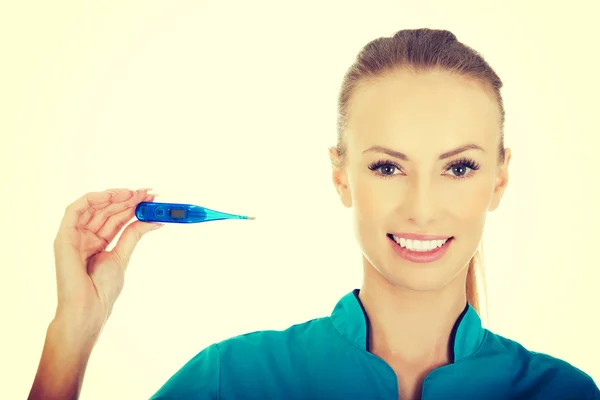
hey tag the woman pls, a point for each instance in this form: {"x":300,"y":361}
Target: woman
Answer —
{"x":420,"y":159}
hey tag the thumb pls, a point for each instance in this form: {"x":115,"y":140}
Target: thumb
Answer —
{"x":130,"y":238}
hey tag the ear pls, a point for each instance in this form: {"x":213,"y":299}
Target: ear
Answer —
{"x":339,"y":177}
{"x":501,"y":181}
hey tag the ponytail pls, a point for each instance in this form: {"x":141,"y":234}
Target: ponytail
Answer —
{"x":475,"y":278}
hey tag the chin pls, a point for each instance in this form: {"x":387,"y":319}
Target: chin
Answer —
{"x":415,"y":277}
{"x":418,"y":281}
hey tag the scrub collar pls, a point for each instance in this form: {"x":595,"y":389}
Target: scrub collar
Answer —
{"x":351,"y":321}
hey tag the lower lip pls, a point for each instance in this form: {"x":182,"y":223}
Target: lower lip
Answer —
{"x":421,"y":256}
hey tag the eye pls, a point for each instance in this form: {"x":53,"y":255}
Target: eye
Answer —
{"x":385,"y":168}
{"x":459,"y":170}
{"x":463,"y":168}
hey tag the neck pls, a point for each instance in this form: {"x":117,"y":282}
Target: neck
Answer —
{"x":412,"y":326}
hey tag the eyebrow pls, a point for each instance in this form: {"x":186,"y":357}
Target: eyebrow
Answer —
{"x":402,"y":156}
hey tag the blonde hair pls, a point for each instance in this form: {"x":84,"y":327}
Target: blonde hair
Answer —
{"x":476,"y":283}
{"x":417,"y":50}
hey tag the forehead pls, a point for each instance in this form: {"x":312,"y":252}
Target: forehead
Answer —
{"x":407,"y":110}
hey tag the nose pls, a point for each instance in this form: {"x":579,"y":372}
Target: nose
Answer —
{"x":420,"y":205}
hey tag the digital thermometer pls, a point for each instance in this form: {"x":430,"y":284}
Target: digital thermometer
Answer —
{"x":149,"y":211}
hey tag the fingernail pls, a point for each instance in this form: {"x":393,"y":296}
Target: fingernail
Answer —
{"x":157,"y":226}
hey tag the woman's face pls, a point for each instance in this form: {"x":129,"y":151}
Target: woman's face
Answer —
{"x":421,"y":159}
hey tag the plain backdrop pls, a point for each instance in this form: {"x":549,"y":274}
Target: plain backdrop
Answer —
{"x":232,"y":105}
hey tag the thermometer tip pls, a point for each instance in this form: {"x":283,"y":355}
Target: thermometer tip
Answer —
{"x":251,"y":217}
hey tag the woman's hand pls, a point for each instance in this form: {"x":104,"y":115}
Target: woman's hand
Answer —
{"x":89,"y":280}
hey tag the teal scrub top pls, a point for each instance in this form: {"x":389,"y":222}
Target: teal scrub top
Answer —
{"x":328,"y":358}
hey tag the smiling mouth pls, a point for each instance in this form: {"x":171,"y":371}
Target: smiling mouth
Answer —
{"x":420,"y":246}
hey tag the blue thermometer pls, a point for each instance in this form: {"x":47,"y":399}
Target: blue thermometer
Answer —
{"x":176,"y":213}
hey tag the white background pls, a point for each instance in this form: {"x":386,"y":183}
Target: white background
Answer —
{"x":232,"y":105}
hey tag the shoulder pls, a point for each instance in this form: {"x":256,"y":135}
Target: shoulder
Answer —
{"x":242,"y":360}
{"x":544,"y":372}
{"x":286,"y":342}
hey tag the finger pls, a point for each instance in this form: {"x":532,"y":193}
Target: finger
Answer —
{"x":115,"y":223}
{"x":116,"y":205}
{"x":121,"y":202}
{"x":68,"y":238}
{"x":119,"y":195}
{"x":130,"y":238}
{"x":87,"y":215}
{"x":79,"y":207}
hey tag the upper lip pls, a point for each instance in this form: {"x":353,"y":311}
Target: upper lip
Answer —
{"x":414,"y":236}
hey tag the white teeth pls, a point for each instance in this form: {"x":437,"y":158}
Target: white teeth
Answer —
{"x":419,"y":245}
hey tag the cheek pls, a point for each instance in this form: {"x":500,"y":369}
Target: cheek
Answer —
{"x":468,"y":200}
{"x":372,"y":205}
{"x":373,"y":198}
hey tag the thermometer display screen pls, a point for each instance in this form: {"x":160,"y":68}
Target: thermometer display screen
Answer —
{"x":178,"y":214}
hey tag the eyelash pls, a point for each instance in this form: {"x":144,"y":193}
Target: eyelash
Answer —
{"x":463,"y":162}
